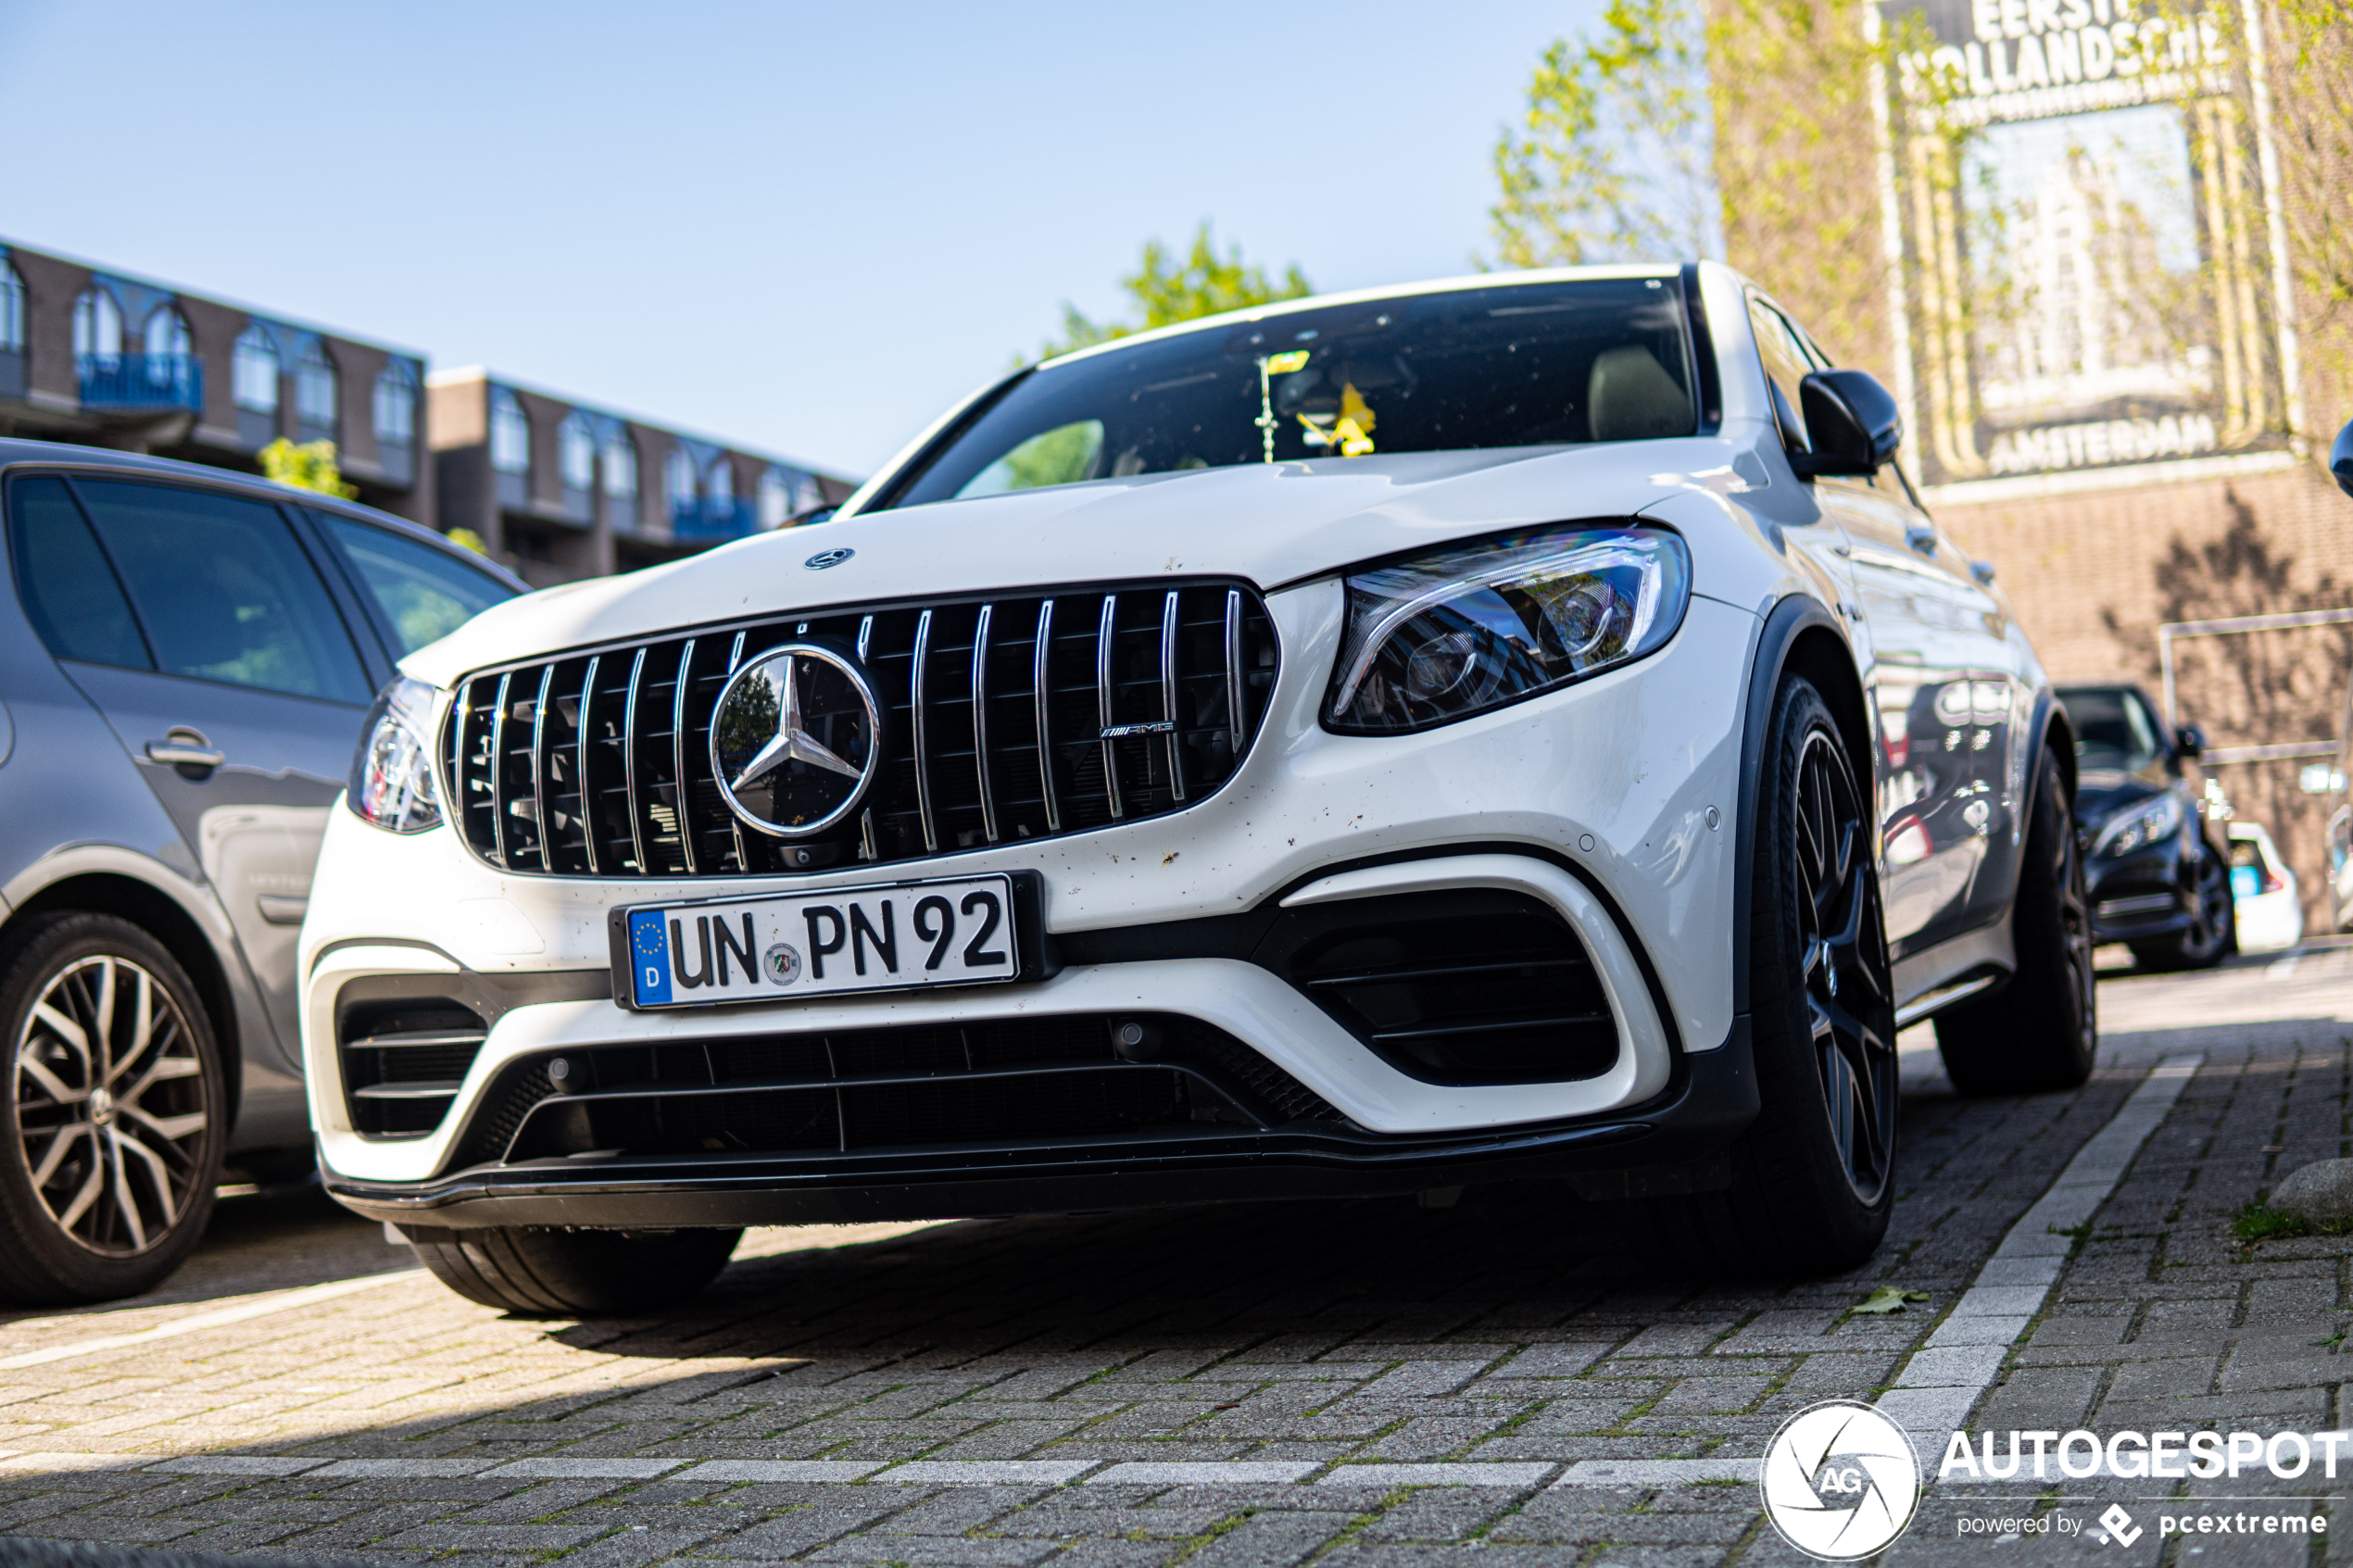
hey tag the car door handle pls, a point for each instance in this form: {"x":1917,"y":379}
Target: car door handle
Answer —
{"x":1921,"y":537}
{"x":185,"y":748}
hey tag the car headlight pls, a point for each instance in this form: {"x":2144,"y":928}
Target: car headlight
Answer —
{"x":2142,"y":826}
{"x":1475,"y":626}
{"x":391,"y":774}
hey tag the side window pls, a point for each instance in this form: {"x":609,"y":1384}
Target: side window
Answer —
{"x":2149,"y":735}
{"x":1786,"y":364}
{"x":224,"y":591}
{"x":69,"y":591}
{"x":424,"y":595}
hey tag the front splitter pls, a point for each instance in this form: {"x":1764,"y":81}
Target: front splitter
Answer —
{"x":1699,"y":1117}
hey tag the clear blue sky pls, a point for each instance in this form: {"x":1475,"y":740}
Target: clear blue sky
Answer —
{"x":804,"y":228}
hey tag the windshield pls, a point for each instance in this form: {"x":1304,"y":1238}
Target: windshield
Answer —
{"x":2113,"y":728}
{"x":1520,"y":365}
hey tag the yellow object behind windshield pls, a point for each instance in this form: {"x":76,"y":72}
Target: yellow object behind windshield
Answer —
{"x":1351,"y":431}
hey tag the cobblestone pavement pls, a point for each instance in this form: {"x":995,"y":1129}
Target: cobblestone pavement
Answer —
{"x":1367,"y":1384}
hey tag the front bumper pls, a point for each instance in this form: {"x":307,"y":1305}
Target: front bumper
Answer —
{"x":1611,"y":802}
{"x":2141,"y":897}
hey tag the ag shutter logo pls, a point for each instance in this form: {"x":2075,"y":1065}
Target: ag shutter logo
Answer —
{"x":1841,"y":1481}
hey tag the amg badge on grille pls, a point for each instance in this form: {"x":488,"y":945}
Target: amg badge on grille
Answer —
{"x":793,"y":739}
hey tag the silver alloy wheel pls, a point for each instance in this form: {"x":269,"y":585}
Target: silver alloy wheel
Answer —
{"x":111,"y":1105}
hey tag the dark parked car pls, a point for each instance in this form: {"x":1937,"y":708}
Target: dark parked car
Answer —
{"x":186,"y":659}
{"x":2157,"y":882}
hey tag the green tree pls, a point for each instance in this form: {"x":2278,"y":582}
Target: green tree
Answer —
{"x":1612,"y":158}
{"x":310,"y":466}
{"x":1164,"y":290}
{"x":1799,"y":135}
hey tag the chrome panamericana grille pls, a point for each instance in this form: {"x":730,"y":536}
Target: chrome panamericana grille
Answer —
{"x":1015,"y":718}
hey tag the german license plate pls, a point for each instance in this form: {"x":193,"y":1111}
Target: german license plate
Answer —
{"x":824,"y":942}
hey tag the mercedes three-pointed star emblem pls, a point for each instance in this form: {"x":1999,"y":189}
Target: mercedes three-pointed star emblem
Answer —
{"x":794,"y":739}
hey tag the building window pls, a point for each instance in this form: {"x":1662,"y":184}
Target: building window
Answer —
{"x":314,"y":391}
{"x":166,"y":333}
{"x":11,"y":309}
{"x":510,"y":432}
{"x":720,"y":486}
{"x":253,"y":372}
{"x":621,"y":470}
{"x":679,"y":479}
{"x":396,"y":404}
{"x":98,"y":324}
{"x":576,"y":454}
{"x":775,"y":499}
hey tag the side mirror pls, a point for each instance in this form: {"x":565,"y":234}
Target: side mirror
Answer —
{"x":1854,"y":422}
{"x":2189,"y":742}
{"x":2341,"y":460}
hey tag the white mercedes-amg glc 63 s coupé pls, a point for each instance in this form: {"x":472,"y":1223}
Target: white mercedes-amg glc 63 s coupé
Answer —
{"x":1519,"y":727}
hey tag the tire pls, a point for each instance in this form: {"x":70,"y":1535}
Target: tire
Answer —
{"x":116,"y":1111}
{"x":1813,"y":1176}
{"x":573,"y":1273}
{"x":2039,"y":1032}
{"x":2213,"y":933}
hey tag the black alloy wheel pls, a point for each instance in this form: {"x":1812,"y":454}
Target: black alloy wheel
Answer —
{"x":1848,"y":1002}
{"x":2212,"y":934}
{"x":2039,"y":1031}
{"x":1811,"y":1181}
{"x":2075,"y":922}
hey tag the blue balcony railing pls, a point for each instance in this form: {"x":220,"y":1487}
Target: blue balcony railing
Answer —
{"x":711,"y":521}
{"x":141,"y":380}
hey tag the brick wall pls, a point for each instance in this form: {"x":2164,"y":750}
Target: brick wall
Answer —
{"x":2092,"y":577}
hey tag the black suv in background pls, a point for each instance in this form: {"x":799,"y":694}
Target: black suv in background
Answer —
{"x":186,"y":661}
{"x":2157,"y":881}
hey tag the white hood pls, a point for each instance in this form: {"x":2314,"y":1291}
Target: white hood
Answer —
{"x":1269,"y":524}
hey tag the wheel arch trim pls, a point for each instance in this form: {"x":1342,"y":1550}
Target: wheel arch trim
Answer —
{"x":1798,"y":633}
{"x":105,"y":879}
{"x":2050,"y":724}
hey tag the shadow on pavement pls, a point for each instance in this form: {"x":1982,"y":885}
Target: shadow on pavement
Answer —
{"x":1215,"y":1271}
{"x":274,"y":1240}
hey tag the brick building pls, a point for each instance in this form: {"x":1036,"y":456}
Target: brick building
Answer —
{"x":2099,"y":264}
{"x":561,"y":490}
{"x":111,"y":360}
{"x":555,"y":488}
